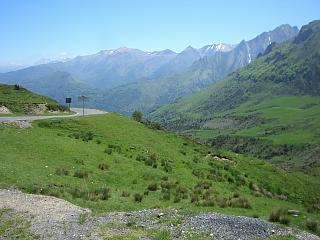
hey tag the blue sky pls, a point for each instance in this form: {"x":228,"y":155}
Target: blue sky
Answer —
{"x":36,"y":29}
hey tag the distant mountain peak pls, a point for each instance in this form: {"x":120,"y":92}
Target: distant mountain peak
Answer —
{"x":189,"y":48}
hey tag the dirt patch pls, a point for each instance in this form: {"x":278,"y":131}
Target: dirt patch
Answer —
{"x":4,"y":110}
{"x":19,"y":124}
{"x":39,"y":108}
{"x":48,"y":215}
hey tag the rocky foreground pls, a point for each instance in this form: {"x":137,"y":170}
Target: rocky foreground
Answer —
{"x":27,"y":216}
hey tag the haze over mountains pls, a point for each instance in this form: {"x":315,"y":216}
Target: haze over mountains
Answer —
{"x":127,"y":79}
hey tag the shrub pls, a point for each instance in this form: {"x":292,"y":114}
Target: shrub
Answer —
{"x":153,"y":187}
{"x":141,"y":158}
{"x":17,"y":87}
{"x":177,"y":198}
{"x":151,"y":160}
{"x":208,"y":202}
{"x":182,"y":192}
{"x":137,"y":116}
{"x":204,"y":185}
{"x":80,"y":174}
{"x":284,"y":220}
{"x":183,"y":152}
{"x":134,"y":181}
{"x":236,"y":195}
{"x":94,"y":195}
{"x":98,"y":141}
{"x":166,"y":185}
{"x":125,"y":194}
{"x":166,"y":196}
{"x":105,"y":193}
{"x":138,"y":197}
{"x":108,"y":150}
{"x":146,"y":193}
{"x":115,"y":147}
{"x":312,"y":225}
{"x":240,"y":202}
{"x":80,"y":162}
{"x":131,"y":223}
{"x":62,"y":171}
{"x":165,"y":178}
{"x":274,"y":216}
{"x":103,"y":166}
{"x":194,"y":198}
{"x":255,"y":215}
{"x":85,"y":136}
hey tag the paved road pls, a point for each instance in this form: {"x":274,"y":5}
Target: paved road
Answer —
{"x":78,"y":111}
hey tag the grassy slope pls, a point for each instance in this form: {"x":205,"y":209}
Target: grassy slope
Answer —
{"x":280,"y":89}
{"x":16,"y":100}
{"x":31,"y":157}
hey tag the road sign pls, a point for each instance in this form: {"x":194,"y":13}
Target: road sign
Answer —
{"x":68,"y":100}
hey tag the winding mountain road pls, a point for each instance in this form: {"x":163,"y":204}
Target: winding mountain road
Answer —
{"x":78,"y":112}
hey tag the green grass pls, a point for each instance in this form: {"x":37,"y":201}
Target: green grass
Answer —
{"x":52,"y":158}
{"x":19,"y":100}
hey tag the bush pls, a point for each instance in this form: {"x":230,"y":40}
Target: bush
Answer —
{"x":240,"y":202}
{"x":103,"y":166}
{"x":80,"y":162}
{"x":105,"y":193}
{"x":17,"y":87}
{"x":165,"y":178}
{"x":80,"y":174}
{"x":98,"y":141}
{"x":166,"y":196}
{"x":279,"y":216}
{"x":166,"y":185}
{"x":94,"y":195}
{"x":255,"y":215}
{"x":125,"y":194}
{"x":115,"y":147}
{"x":274,"y":216}
{"x":138,"y":197}
{"x":182,"y":192}
{"x":62,"y":171}
{"x":284,"y":220}
{"x":177,"y":198}
{"x":153,"y":187}
{"x":208,"y":202}
{"x":204,"y":185}
{"x":236,"y":195}
{"x":312,"y":225}
{"x":151,"y":160}
{"x":85,"y":136}
{"x":137,"y":116}
{"x":194,"y":198}
{"x":108,"y":150}
{"x":134,"y":181}
{"x":141,"y":158}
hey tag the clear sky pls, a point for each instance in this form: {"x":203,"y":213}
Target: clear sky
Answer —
{"x":34,"y":29}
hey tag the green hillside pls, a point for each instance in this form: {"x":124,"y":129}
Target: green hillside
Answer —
{"x":21,"y":101}
{"x":112,"y":163}
{"x":269,"y":109}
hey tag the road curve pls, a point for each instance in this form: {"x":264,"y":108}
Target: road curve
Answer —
{"x":78,"y":112}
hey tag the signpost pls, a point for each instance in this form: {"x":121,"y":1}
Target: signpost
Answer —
{"x":83,"y":99}
{"x":68,"y":101}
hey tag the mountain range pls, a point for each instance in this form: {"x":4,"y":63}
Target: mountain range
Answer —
{"x":128,"y":79}
{"x":269,"y":109}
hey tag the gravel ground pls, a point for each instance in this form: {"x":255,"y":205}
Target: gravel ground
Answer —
{"x":55,"y":218}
